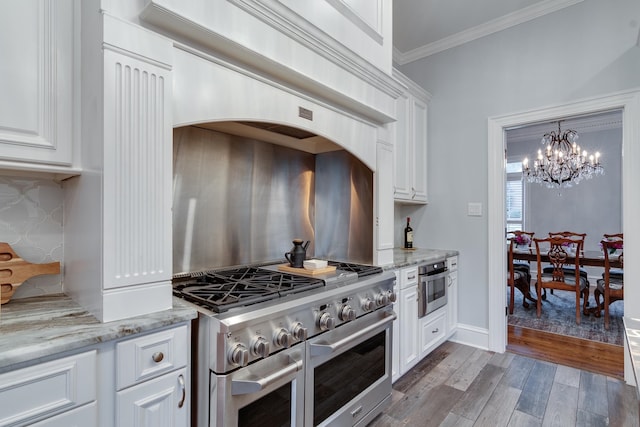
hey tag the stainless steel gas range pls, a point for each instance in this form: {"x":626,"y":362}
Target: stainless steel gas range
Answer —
{"x":281,"y":349}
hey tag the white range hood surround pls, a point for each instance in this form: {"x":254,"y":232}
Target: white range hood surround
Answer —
{"x":336,"y":51}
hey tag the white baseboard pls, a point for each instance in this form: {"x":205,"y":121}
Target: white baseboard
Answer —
{"x":471,"y":336}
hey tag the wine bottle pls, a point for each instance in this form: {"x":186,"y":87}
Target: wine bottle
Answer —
{"x":408,"y":235}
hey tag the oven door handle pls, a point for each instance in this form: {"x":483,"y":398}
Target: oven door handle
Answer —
{"x":324,"y":348}
{"x":248,"y":386}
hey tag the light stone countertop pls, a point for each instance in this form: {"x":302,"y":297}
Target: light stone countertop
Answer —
{"x":36,"y":327}
{"x":632,"y":334}
{"x":405,"y":258}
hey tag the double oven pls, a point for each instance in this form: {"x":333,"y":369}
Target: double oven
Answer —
{"x":281,"y":349}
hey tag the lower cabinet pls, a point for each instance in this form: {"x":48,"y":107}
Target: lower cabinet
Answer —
{"x":395,"y":344}
{"x":433,"y":331}
{"x":408,"y":325}
{"x":159,"y":402}
{"x":142,"y":380}
{"x":83,"y":416}
{"x":48,"y":389}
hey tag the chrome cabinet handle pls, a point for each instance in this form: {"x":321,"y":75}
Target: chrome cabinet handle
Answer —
{"x":435,"y":331}
{"x":184,"y":391}
{"x":157,"y":356}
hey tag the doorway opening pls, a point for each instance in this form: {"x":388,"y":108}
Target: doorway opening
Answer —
{"x":629,"y":103}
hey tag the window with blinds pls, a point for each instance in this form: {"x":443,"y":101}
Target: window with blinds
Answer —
{"x":514,"y":197}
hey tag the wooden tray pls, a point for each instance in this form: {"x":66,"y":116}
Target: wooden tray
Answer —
{"x":14,"y":270}
{"x":287,"y":268}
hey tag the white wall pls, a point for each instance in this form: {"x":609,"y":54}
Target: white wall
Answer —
{"x":584,"y":50}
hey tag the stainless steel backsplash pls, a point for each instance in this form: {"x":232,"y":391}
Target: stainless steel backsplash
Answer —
{"x":238,"y":201}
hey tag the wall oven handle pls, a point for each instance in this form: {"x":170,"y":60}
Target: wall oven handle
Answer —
{"x":247,"y":386}
{"x":322,"y":349}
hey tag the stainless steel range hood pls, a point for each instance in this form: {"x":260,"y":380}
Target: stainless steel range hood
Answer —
{"x":239,"y":200}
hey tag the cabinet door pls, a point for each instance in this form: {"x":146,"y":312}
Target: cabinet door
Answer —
{"x":160,"y":402}
{"x":401,"y":151}
{"x":452,"y":303}
{"x":419,"y":145}
{"x":395,"y":345}
{"x":409,"y":338}
{"x":384,"y":202}
{"x":36,"y":81}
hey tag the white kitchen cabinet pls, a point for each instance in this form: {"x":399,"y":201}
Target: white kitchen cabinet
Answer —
{"x":395,"y":343}
{"x":433,"y":331}
{"x":410,"y":143}
{"x":452,"y":295}
{"x":36,"y":106}
{"x":152,"y":379}
{"x":160,"y":402}
{"x":46,"y":389}
{"x":409,"y":338}
{"x":83,"y":416}
{"x":384,"y":204}
{"x":118,"y":218}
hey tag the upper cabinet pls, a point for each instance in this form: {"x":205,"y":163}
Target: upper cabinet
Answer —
{"x":37,"y":85}
{"x":410,"y":143}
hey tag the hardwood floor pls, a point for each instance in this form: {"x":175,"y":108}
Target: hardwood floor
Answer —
{"x":593,"y":356}
{"x":458,"y":385}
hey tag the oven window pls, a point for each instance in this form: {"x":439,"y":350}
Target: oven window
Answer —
{"x":437,"y":288}
{"x":272,"y":410}
{"x":342,"y":378}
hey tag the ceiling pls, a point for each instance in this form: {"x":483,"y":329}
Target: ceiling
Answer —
{"x":424,"y":27}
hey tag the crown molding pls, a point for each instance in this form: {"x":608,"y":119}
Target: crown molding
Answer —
{"x":582,"y":125}
{"x":501,"y":23}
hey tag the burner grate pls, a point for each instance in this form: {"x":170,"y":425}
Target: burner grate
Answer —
{"x":226,"y":289}
{"x":363,"y":270}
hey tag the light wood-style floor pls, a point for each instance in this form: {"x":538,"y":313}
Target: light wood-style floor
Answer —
{"x":458,"y":385}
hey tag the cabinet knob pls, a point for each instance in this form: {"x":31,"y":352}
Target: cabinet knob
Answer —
{"x":157,"y":356}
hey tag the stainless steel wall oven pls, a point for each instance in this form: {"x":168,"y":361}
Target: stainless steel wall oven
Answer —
{"x":432,"y":287}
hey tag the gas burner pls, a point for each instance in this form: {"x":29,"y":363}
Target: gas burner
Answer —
{"x":226,"y":289}
{"x":362,"y":270}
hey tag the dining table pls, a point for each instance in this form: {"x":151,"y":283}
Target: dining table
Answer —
{"x":587,"y":258}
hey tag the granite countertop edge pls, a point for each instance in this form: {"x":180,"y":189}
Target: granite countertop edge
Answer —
{"x":38,"y":327}
{"x":406,"y":258}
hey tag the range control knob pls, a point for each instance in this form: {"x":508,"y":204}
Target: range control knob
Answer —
{"x":238,"y":355}
{"x":260,"y":347}
{"x":326,"y":322}
{"x":299,"y":332}
{"x":382,"y":299}
{"x":347,"y":313}
{"x":282,"y":338}
{"x":392,"y":296}
{"x":368,"y":304}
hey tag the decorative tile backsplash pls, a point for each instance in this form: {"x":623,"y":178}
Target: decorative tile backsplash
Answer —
{"x":31,"y":222}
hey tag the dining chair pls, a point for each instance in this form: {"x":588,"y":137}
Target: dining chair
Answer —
{"x":574,"y":236}
{"x":563,"y":275}
{"x":518,"y":278}
{"x":523,"y":242}
{"x":611,"y":286}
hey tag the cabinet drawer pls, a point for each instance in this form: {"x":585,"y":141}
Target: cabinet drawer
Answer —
{"x":32,"y":393}
{"x":83,"y":416}
{"x":433,"y":331}
{"x":408,"y":277}
{"x":452,"y":263}
{"x":144,"y":357}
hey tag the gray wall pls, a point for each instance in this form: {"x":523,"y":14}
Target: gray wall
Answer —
{"x":584,"y":50}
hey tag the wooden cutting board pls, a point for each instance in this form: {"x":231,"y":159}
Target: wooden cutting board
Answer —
{"x":14,"y":270}
{"x":287,"y":268}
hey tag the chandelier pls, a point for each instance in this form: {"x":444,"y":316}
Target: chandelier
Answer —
{"x":562,"y":164}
